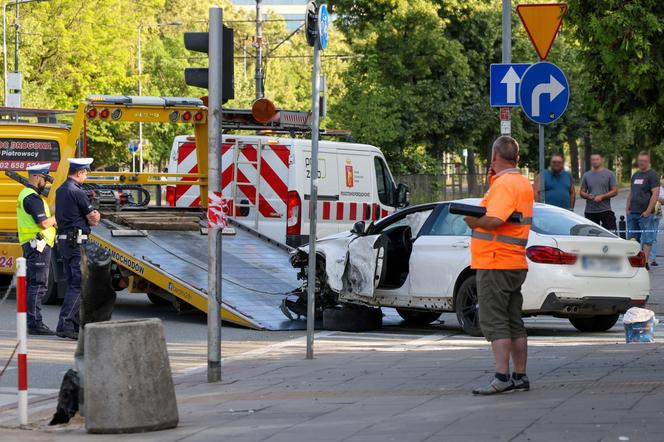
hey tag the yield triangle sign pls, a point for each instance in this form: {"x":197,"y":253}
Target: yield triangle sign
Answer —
{"x":542,"y":22}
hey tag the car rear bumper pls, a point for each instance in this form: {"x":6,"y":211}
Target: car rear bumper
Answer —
{"x":587,"y":305}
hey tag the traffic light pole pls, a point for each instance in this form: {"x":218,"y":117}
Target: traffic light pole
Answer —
{"x":214,"y":189}
{"x":313,"y":202}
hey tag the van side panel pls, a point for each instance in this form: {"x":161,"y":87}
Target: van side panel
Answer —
{"x":328,"y":190}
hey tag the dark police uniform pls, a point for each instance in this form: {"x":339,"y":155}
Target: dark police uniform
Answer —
{"x":71,"y":207}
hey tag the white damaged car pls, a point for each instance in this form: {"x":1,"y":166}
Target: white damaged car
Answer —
{"x":417,"y":260}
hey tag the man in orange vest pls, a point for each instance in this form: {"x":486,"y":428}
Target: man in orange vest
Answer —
{"x":498,"y":254}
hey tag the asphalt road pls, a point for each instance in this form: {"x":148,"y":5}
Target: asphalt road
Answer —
{"x":186,"y":336}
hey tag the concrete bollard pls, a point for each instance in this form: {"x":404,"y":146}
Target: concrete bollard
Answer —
{"x":128,"y":382}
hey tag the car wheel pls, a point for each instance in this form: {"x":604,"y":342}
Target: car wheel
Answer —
{"x":353,"y":318}
{"x":55,"y":291}
{"x":466,"y":306}
{"x":600,"y":323}
{"x":158,"y":300}
{"x":417,"y":317}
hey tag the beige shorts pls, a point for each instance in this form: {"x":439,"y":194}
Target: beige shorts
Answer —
{"x":500,"y":303}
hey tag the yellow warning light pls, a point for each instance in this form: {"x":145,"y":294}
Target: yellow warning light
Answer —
{"x":263,"y":110}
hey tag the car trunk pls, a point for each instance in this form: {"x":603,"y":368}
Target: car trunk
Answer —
{"x":603,"y":257}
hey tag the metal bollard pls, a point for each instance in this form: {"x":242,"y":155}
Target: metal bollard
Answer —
{"x":22,"y":336}
{"x":622,"y":227}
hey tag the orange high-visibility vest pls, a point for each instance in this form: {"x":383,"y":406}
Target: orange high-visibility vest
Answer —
{"x":504,"y":248}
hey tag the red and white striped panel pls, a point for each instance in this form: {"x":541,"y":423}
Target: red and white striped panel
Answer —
{"x":347,"y":211}
{"x":273,"y":183}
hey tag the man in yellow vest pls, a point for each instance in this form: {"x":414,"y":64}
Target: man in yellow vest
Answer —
{"x":36,"y":234}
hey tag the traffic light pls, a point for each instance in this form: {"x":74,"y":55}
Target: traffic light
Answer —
{"x":198,"y":77}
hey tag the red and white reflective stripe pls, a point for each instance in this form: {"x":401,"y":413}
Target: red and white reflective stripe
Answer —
{"x":272,"y":201}
{"x":22,"y":336}
{"x":348,"y":211}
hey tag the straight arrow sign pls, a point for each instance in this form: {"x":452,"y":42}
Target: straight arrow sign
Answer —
{"x":553,"y":88}
{"x":510,"y":80}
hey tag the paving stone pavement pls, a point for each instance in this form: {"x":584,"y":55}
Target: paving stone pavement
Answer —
{"x":413,"y":388}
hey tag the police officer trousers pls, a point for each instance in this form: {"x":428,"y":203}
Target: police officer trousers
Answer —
{"x":69,"y":313}
{"x":37,"y":281}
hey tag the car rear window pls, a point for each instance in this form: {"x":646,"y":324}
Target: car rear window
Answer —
{"x":555,"y":222}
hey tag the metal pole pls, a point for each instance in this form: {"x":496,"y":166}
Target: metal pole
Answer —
{"x":507,"y":44}
{"x":4,"y":47}
{"x":259,"y":50}
{"x":16,"y":39}
{"x":140,"y":92}
{"x":541,"y":162}
{"x":214,"y":192}
{"x":313,"y":202}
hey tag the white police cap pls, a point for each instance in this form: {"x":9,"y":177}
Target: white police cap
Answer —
{"x":79,"y":163}
{"x":38,"y":169}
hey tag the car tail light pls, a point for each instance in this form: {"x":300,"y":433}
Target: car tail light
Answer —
{"x":170,"y":195}
{"x":550,"y":255}
{"x":186,"y":116}
{"x":294,"y":213}
{"x":638,"y":260}
{"x":198,"y":116}
{"x":92,"y":113}
{"x":104,"y":114}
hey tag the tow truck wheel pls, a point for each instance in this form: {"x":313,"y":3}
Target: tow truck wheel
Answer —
{"x":599,"y":323}
{"x":55,"y":291}
{"x":466,"y":306}
{"x":417,"y":317}
{"x":352,"y":318}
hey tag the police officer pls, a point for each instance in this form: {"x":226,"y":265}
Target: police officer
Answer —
{"x":36,"y":234}
{"x":75,"y":215}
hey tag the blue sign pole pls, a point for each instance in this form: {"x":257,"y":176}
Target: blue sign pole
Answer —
{"x":544,"y":96}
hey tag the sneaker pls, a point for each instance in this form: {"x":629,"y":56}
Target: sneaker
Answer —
{"x":496,"y":386}
{"x":522,"y":384}
{"x":41,"y":330}
{"x":654,"y":264}
{"x":67,"y":334}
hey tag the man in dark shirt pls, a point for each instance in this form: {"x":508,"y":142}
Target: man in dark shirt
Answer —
{"x":643,"y":195}
{"x":75,"y":215}
{"x":36,"y":235}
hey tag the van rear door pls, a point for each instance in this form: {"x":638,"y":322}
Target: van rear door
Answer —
{"x":256,"y":189}
{"x":385,"y":189}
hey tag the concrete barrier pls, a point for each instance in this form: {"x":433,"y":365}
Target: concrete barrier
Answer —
{"x":128,"y":382}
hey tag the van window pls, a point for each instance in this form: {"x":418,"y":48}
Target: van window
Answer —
{"x":383,"y":182}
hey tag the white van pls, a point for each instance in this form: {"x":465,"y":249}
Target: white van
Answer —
{"x":355,"y":184}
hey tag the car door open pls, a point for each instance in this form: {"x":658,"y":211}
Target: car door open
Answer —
{"x":366,"y":265}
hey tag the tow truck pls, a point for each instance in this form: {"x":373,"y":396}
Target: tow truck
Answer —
{"x":160,"y":251}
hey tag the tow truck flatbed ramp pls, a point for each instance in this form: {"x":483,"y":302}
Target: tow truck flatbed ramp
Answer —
{"x":256,"y":274}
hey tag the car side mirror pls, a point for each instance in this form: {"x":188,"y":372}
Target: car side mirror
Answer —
{"x":358,"y":228}
{"x":402,"y":196}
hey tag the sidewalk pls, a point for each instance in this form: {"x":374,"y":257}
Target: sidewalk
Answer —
{"x":585,"y":387}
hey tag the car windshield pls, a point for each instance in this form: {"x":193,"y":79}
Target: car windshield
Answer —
{"x":555,"y":222}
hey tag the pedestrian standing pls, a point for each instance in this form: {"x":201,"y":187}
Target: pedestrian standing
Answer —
{"x":498,"y":254}
{"x":598,"y":186}
{"x":558,"y":184}
{"x":656,"y":222}
{"x":36,"y":235}
{"x":641,"y":201}
{"x":75,"y":215}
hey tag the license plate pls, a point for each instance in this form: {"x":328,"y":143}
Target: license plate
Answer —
{"x":601,"y":264}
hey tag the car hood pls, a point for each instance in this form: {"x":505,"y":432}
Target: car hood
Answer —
{"x":334,"y":249}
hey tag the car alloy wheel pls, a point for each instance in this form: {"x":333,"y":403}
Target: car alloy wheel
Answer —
{"x":466,"y":306}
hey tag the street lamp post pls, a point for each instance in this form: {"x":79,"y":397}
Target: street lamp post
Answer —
{"x":4,"y":39}
{"x":140,"y":79}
